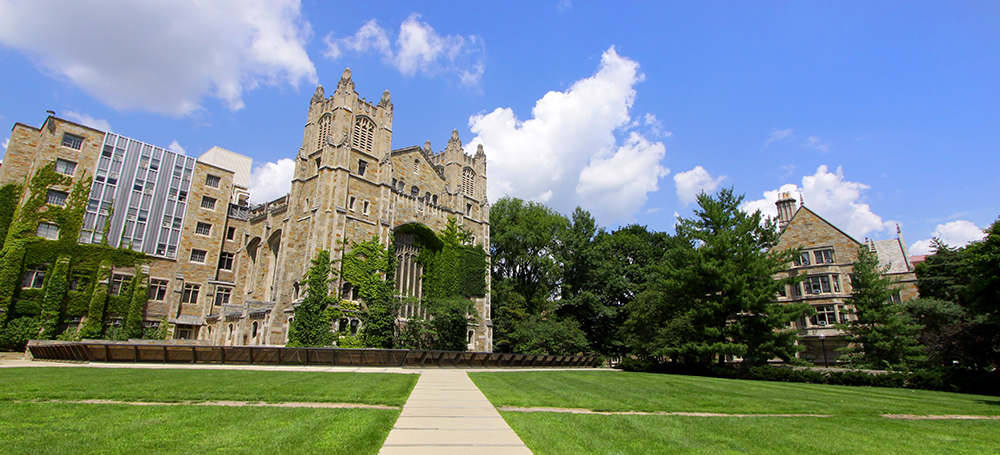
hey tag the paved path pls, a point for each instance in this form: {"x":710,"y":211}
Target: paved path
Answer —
{"x":447,"y":414}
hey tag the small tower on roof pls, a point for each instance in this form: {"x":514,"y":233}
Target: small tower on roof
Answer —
{"x":786,"y":208}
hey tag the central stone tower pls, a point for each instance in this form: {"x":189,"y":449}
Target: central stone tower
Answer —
{"x":349,"y":185}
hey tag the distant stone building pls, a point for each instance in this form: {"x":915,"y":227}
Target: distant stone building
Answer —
{"x":226,"y":273}
{"x":826,"y":262}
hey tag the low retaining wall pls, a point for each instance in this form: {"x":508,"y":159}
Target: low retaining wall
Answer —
{"x":277,"y":355}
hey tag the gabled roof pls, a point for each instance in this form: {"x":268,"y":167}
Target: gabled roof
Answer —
{"x":892,"y":253}
{"x":416,"y":149}
{"x":796,"y":216}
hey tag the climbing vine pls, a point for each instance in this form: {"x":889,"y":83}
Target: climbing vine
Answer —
{"x":457,"y":269}
{"x":311,"y":326}
{"x":94,"y":327}
{"x":71,"y":283}
{"x":137,"y":306}
{"x":369,"y":267}
{"x":56,"y":287}
{"x":9,"y":196}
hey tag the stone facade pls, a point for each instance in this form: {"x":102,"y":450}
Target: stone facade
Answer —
{"x":828,"y":256}
{"x":228,"y":274}
{"x":349,"y":186}
{"x":176,"y":209}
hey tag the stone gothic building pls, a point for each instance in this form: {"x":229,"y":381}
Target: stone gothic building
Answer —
{"x":226,"y":273}
{"x":826,"y":262}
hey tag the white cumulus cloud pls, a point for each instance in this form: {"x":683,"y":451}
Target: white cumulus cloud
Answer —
{"x":693,"y":182}
{"x":833,"y":197}
{"x":5,"y":142}
{"x":955,"y":234}
{"x":270,"y":181}
{"x":163,"y":56}
{"x":418,"y":49}
{"x":87,"y":120}
{"x":567,"y":154}
{"x":176,"y":147}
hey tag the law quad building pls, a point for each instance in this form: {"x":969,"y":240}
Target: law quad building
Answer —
{"x":228,"y":273}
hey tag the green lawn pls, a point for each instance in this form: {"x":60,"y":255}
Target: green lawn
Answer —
{"x":29,"y":425}
{"x":172,"y":385}
{"x":623,"y":391}
{"x":60,"y":428}
{"x":552,"y":433}
{"x":856,"y":427}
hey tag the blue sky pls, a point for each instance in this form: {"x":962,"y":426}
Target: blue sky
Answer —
{"x":876,"y":113}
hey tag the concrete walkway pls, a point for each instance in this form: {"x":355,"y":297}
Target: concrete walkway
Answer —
{"x":447,"y":414}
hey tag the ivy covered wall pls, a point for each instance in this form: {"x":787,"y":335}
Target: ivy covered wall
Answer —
{"x":72,"y":271}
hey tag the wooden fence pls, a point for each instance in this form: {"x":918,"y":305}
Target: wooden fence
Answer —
{"x":276,"y":355}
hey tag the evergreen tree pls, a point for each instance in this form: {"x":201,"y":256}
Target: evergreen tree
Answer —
{"x":882,"y":335}
{"x":716,"y":297}
{"x":312,"y":323}
{"x":943,"y":276}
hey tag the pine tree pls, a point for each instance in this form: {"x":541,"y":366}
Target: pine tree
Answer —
{"x":882,"y":335}
{"x":716,"y":296}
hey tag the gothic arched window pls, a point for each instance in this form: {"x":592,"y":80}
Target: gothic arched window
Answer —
{"x":324,"y":130}
{"x":364,"y":134}
{"x":469,"y":182}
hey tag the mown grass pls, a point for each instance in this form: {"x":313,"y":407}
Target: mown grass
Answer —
{"x":624,"y":391}
{"x":174,"y":385}
{"x":551,"y":433}
{"x":61,"y":428}
{"x":855,"y":428}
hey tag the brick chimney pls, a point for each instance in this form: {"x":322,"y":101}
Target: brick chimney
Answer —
{"x":786,"y":208}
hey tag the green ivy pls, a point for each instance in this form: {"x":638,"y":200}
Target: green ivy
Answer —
{"x":137,"y":305}
{"x":369,"y":267}
{"x":56,"y":286}
{"x":11,"y":261}
{"x":456,"y":269}
{"x":312,"y":322}
{"x":94,"y":327}
{"x":21,"y":249}
{"x":10,"y":194}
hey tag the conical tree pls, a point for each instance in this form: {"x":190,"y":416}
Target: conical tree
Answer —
{"x":882,"y":335}
{"x":311,"y":325}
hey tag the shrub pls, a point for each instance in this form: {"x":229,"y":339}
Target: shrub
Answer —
{"x":15,"y":335}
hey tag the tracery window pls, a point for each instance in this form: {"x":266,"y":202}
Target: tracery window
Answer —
{"x":324,"y":130}
{"x":364,"y":134}
{"x":469,"y":182}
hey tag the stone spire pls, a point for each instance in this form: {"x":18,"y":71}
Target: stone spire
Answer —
{"x":318,"y":94}
{"x":345,"y":81}
{"x":385,"y":101}
{"x":454,"y":142}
